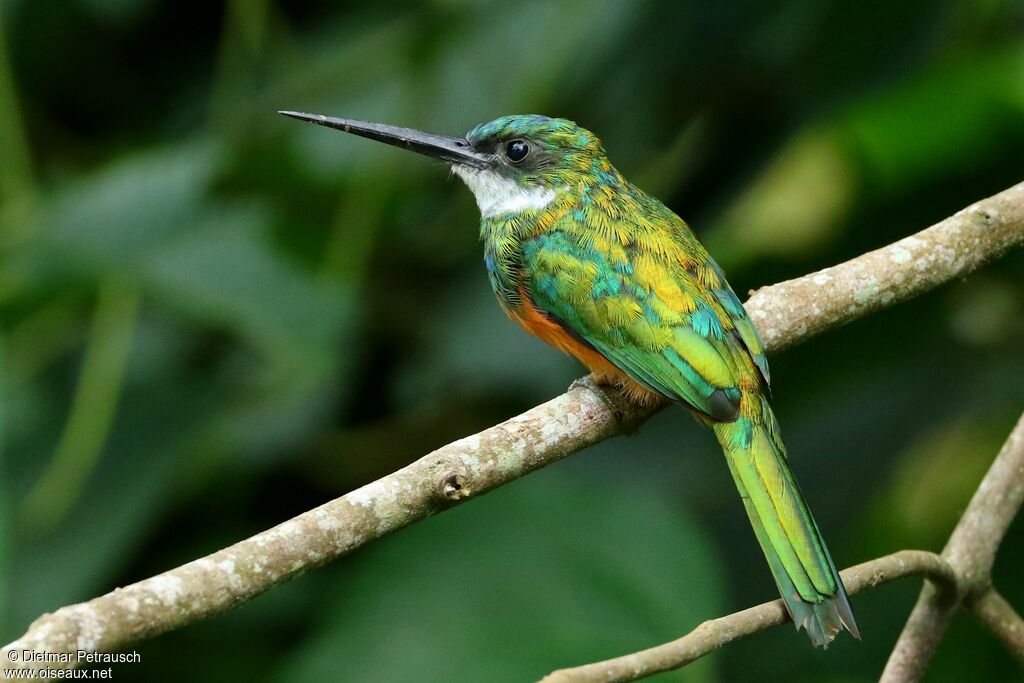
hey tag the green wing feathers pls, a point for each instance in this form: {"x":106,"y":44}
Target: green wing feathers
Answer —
{"x":803,"y":569}
{"x":674,"y":331}
{"x":647,"y":297}
{"x":744,"y":328}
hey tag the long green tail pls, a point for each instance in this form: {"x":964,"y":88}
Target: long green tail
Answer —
{"x":789,"y":536}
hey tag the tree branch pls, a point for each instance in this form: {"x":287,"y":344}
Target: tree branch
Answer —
{"x":971,"y":552}
{"x":792,"y":311}
{"x":786,"y":314}
{"x":1000,"y":618}
{"x":715,"y":633}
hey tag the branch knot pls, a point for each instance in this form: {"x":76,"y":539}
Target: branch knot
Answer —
{"x":453,"y":486}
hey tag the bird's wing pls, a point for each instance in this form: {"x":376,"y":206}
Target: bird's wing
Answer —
{"x":743,"y":327}
{"x":672,"y":331}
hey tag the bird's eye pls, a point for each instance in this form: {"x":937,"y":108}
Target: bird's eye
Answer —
{"x":517,"y":150}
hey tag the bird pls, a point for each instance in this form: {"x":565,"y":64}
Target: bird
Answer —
{"x":586,"y":261}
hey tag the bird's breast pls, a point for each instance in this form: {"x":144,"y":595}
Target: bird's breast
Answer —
{"x":552,"y":332}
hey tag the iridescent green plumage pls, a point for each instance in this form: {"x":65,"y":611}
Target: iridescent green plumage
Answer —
{"x":586,"y":261}
{"x":627,"y":279}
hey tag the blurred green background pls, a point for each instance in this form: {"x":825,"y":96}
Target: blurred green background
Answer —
{"x":215,"y":318}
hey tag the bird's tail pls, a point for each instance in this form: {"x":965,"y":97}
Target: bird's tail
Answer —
{"x":789,"y":536}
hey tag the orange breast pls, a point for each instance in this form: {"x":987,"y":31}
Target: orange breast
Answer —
{"x":534,"y":321}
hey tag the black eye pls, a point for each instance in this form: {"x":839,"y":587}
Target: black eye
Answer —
{"x":517,"y":150}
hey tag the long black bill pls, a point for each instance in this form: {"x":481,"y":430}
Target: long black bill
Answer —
{"x":455,"y":150}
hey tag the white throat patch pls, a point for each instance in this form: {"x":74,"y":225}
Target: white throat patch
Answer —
{"x":496,"y":195}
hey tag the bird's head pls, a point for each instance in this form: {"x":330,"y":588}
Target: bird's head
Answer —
{"x":514,"y":163}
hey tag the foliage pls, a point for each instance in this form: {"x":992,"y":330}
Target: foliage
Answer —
{"x":214,"y":318}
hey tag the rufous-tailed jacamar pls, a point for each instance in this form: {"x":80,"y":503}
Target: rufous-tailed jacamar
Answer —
{"x":584,"y":260}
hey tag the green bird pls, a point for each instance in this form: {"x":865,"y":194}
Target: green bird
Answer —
{"x":590,"y":264}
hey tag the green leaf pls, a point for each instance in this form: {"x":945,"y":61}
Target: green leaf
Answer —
{"x":224,"y":271}
{"x":125,"y":495}
{"x":117,"y":213}
{"x":150,"y":219}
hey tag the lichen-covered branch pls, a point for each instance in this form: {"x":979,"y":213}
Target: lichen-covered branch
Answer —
{"x":789,"y":312}
{"x":970,"y":551}
{"x":786,"y":313}
{"x":238,"y":573}
{"x":715,"y":633}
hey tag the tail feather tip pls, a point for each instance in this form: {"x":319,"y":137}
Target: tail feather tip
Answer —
{"x":824,"y":620}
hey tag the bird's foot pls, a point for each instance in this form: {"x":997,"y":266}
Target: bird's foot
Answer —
{"x":616,"y":397}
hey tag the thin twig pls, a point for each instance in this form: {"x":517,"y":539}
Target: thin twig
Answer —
{"x":715,"y":633}
{"x":786,"y":314}
{"x":970,"y":551}
{"x":1000,"y":618}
